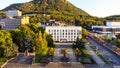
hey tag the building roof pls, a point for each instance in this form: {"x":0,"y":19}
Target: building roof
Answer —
{"x":105,"y":26}
{"x":63,"y":27}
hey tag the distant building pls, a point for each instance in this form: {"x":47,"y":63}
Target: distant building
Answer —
{"x":64,"y":33}
{"x":12,"y":13}
{"x":2,"y":24}
{"x":111,"y":27}
{"x":110,"y":30}
{"x":11,"y":23}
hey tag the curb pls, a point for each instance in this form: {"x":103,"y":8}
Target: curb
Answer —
{"x":6,"y":62}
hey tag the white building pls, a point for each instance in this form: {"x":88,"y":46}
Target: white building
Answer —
{"x":114,"y":24}
{"x":12,"y":13}
{"x":64,"y":33}
{"x":111,"y":27}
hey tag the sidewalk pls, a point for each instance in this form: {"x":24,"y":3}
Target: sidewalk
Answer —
{"x":70,"y":54}
{"x":57,"y":55}
{"x":95,"y":56}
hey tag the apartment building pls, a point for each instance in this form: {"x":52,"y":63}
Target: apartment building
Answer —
{"x":11,"y":23}
{"x":64,"y":33}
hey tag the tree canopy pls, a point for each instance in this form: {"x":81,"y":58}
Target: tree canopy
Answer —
{"x":7,"y":47}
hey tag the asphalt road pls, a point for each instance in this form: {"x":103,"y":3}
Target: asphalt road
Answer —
{"x":94,"y":55}
{"x":115,"y":61}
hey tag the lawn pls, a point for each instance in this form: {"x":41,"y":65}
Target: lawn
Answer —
{"x":85,"y":54}
{"x":43,"y":55}
{"x":38,"y":57}
{"x":86,"y":51}
{"x":88,"y":56}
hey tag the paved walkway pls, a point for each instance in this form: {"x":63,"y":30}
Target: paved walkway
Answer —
{"x":20,"y":61}
{"x":95,"y":57}
{"x":70,"y":53}
{"x":57,"y":55}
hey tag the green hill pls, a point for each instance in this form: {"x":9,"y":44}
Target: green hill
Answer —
{"x":113,"y":18}
{"x":51,"y":5}
{"x":61,"y":10}
{"x":13,"y":6}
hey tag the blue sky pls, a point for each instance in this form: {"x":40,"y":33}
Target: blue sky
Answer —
{"x":100,"y":8}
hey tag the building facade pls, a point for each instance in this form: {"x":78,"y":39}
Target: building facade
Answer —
{"x":12,"y":13}
{"x":64,"y":33}
{"x":111,"y":27}
{"x":13,"y":23}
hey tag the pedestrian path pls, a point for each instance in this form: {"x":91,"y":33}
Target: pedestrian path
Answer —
{"x":70,"y":54}
{"x":20,"y":61}
{"x":95,"y":56}
{"x":57,"y":55}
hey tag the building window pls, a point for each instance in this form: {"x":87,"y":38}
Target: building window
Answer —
{"x":117,"y":29}
{"x":72,"y":31}
{"x":66,"y":31}
{"x":108,"y":29}
{"x":49,"y":31}
{"x":57,"y":30}
{"x":63,"y":31}
{"x":54,"y":30}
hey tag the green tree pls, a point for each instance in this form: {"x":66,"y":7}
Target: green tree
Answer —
{"x":37,"y":43}
{"x":7,"y":48}
{"x":118,"y":43}
{"x":80,"y":43}
{"x":50,"y":41}
{"x":2,"y":50}
{"x":84,"y":33}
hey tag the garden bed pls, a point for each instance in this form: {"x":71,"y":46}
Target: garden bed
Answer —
{"x":98,"y":53}
{"x":84,"y":57}
{"x":44,"y":57}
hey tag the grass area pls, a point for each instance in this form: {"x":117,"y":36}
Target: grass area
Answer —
{"x":86,"y":51}
{"x":2,"y":60}
{"x":83,"y":55}
{"x":103,"y":59}
{"x":38,"y":57}
{"x":44,"y":54}
{"x":88,"y":56}
{"x":98,"y":53}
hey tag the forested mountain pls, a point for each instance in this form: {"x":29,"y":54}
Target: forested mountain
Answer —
{"x":61,"y":10}
{"x":50,"y":5}
{"x":113,"y":18}
{"x":13,"y":6}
